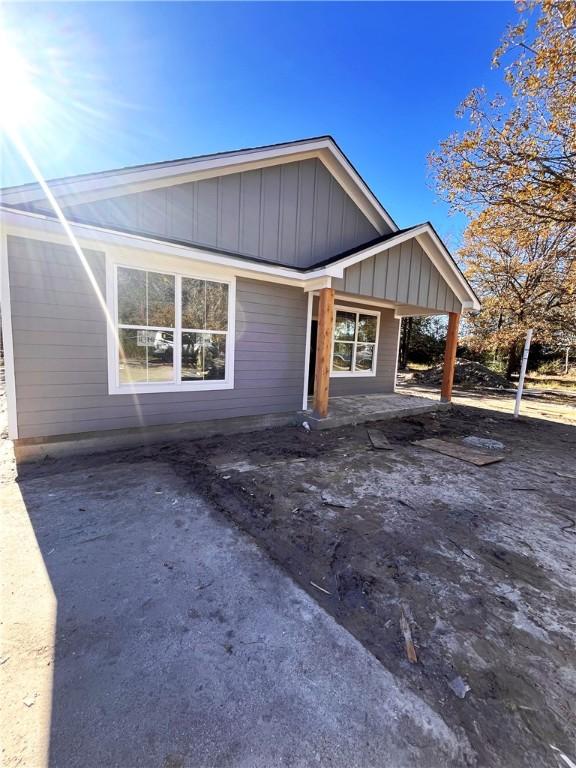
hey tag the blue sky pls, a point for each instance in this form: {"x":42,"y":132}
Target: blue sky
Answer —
{"x":140,"y":82}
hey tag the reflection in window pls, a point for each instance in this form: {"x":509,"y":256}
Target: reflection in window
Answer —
{"x":160,"y":300}
{"x":145,"y":298}
{"x":149,"y":332}
{"x":146,"y":356}
{"x":354,"y":342}
{"x":345,"y":326}
{"x":204,"y":308}
{"x":204,"y":305}
{"x":364,"y":357}
{"x":342,"y":357}
{"x":203,"y":356}
{"x":367,"y":325}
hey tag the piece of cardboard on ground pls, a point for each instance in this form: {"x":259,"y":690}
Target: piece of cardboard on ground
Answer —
{"x":379,"y":440}
{"x":458,"y":451}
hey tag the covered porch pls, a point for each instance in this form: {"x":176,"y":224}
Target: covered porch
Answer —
{"x":354,"y":321}
{"x":358,"y":409}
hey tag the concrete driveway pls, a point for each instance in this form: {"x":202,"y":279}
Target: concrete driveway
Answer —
{"x":140,"y":628}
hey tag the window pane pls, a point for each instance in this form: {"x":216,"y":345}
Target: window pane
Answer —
{"x":160,"y":300}
{"x":160,"y":357}
{"x":147,"y":356}
{"x":342,"y":357}
{"x":131,"y":296}
{"x":203,"y":356}
{"x":367,"y":328}
{"x":364,"y":357}
{"x":345,"y":326}
{"x":216,"y":306}
{"x":193,"y":303}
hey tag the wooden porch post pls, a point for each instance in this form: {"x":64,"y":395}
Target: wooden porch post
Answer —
{"x":323,"y":352}
{"x":450,"y":357}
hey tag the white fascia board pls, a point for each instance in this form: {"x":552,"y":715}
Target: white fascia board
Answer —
{"x":357,"y":298}
{"x":90,"y":189}
{"x":316,"y":283}
{"x":409,"y":310}
{"x":105,"y":185}
{"x":440,"y":258}
{"x":359,"y":192}
{"x":337,"y":267}
{"x":40,"y":227}
{"x":449,"y":271}
{"x":36,"y":225}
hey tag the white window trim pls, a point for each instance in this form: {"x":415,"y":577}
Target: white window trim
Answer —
{"x":114,"y":386}
{"x":356,"y":374}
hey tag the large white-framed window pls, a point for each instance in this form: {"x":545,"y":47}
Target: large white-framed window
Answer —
{"x":355,"y":341}
{"x":173,"y":331}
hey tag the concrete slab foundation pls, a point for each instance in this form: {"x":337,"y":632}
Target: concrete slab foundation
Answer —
{"x":357,"y":409}
{"x":37,"y":449}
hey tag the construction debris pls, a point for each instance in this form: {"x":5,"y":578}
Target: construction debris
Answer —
{"x":458,"y":451}
{"x":483,"y":442}
{"x":405,"y":627}
{"x":459,"y":687}
{"x":464,"y":551}
{"x":467,"y":374}
{"x":563,"y":757}
{"x":332,"y":501}
{"x":379,"y":440}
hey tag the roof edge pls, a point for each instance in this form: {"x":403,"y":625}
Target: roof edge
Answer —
{"x":93,"y":185}
{"x":334,"y":266}
{"x":355,"y":255}
{"x":158,"y":164}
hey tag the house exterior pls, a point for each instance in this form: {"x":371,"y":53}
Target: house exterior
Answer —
{"x":228,"y":286}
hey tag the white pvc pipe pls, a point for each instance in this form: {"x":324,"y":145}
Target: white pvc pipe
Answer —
{"x":522,"y":373}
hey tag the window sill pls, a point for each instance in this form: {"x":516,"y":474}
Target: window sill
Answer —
{"x":352,"y":374}
{"x":193,"y":386}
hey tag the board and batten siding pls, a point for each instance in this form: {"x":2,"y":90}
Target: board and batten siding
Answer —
{"x":59,"y":333}
{"x":403,"y":274}
{"x":295,"y":213}
{"x":386,"y":355}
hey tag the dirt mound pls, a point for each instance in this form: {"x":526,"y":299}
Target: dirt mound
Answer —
{"x":467,"y":374}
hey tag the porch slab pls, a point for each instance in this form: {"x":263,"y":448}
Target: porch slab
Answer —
{"x":357,"y":409}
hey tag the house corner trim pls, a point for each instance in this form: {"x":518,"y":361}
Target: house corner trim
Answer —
{"x":7,"y":338}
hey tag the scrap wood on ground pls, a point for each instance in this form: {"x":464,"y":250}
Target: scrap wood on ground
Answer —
{"x":483,"y":567}
{"x":483,"y":571}
{"x":458,"y":451}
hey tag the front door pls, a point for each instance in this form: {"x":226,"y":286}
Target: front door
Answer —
{"x":312,"y":366}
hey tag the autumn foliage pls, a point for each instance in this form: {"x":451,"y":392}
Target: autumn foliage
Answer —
{"x":513,"y":173}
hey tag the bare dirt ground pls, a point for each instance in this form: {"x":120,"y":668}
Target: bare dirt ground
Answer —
{"x":551,"y":405}
{"x":481,"y":560}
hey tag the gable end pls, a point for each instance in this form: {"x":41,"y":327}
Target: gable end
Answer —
{"x":294,"y":213}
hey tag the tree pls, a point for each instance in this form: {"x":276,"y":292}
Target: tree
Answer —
{"x":421,"y":340}
{"x":525,"y":279}
{"x":519,"y":151}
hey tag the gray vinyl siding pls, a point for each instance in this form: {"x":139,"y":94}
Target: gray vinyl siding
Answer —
{"x":403,"y":274}
{"x":296,"y":213}
{"x":61,"y":356}
{"x":385,"y":379}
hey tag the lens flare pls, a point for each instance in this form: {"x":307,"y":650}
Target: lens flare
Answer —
{"x":25,"y":107}
{"x":21,"y":101}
